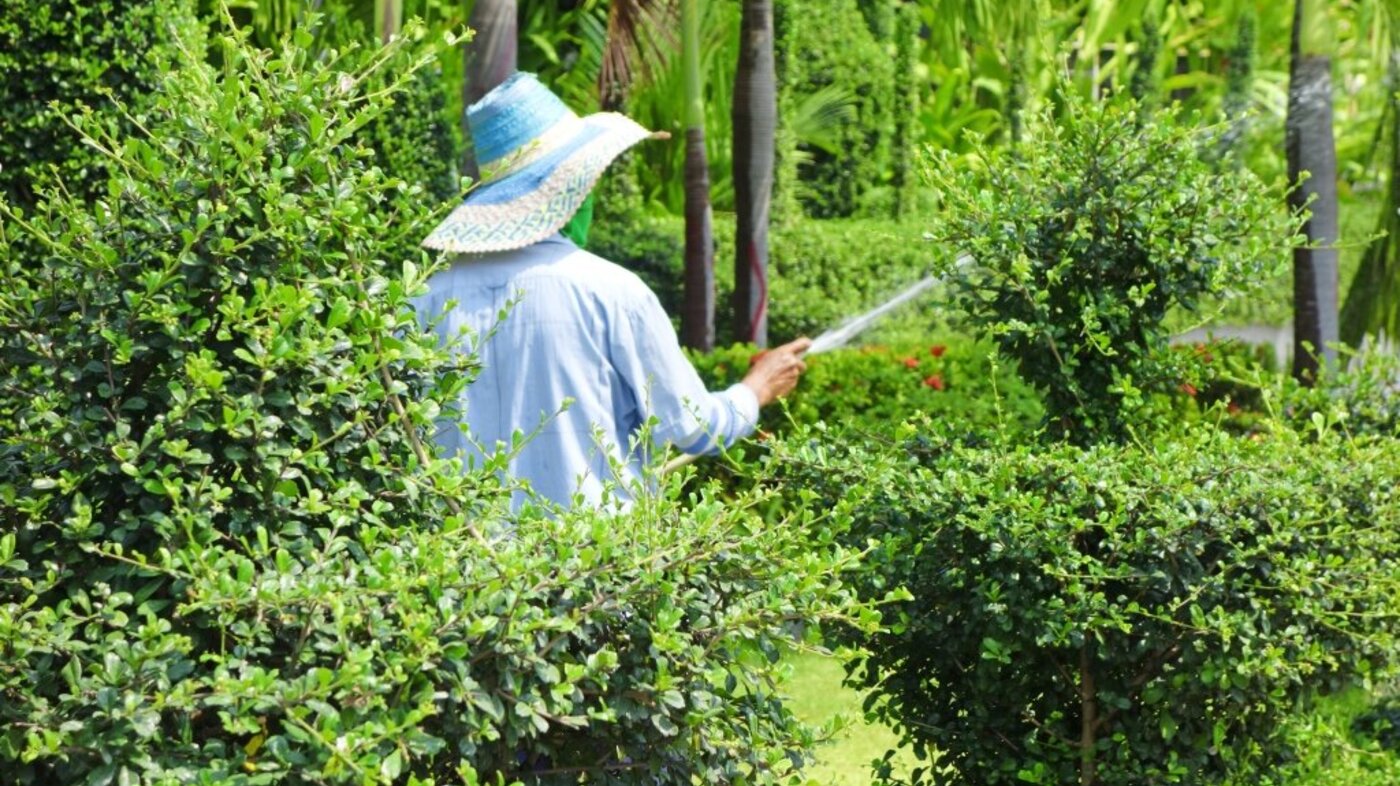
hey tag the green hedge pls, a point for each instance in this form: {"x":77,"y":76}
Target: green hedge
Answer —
{"x":853,"y":47}
{"x":821,"y":271}
{"x":227,"y":554}
{"x":1157,"y":611}
{"x":75,"y":52}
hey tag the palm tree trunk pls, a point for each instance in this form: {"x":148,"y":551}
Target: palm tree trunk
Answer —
{"x":491,"y":54}
{"x":755,"y":129}
{"x":1311,"y":149}
{"x":388,"y":18}
{"x":490,"y":57}
{"x":698,"y":308}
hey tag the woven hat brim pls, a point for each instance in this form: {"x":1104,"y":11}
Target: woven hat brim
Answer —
{"x":482,"y":225}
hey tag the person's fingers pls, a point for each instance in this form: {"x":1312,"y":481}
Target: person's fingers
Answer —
{"x":797,"y":346}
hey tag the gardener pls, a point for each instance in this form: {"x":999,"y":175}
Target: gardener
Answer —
{"x":586,"y":356}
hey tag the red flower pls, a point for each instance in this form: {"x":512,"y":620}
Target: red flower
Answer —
{"x":937,"y":350}
{"x":934,"y":381}
{"x":911,"y":363}
{"x":1189,"y":389}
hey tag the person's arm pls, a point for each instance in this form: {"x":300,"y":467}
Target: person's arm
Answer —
{"x":648,"y":356}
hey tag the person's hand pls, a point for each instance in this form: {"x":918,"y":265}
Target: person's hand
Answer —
{"x":775,"y":372}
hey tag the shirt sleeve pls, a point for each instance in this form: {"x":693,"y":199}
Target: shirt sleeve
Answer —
{"x":665,"y":385}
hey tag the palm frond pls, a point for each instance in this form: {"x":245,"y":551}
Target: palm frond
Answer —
{"x":816,"y":117}
{"x":640,"y":37}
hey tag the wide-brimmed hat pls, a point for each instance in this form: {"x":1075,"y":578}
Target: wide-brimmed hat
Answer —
{"x":538,"y":162}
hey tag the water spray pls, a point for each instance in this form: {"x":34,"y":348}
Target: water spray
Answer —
{"x":841,"y":335}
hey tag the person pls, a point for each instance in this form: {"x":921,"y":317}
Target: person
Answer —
{"x":575,"y":352}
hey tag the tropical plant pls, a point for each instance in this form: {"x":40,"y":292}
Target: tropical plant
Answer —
{"x":491,"y":54}
{"x":388,"y":19}
{"x":638,"y":35}
{"x":839,"y":49}
{"x":1372,"y":306}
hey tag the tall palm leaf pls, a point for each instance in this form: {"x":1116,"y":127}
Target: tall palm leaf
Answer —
{"x":1373,"y":300}
{"x":755,"y":113}
{"x":1312,"y":150}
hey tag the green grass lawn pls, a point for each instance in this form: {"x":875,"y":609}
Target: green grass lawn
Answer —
{"x":818,"y":697}
{"x":1330,"y":754}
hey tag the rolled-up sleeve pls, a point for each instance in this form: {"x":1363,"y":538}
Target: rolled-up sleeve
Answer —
{"x":664,"y":385}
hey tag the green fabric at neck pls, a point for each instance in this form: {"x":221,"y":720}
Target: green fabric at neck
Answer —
{"x":577,"y":228}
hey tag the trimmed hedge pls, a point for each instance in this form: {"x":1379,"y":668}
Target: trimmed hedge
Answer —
{"x":855,"y":47}
{"x":1142,"y":614}
{"x":1086,"y":237}
{"x":75,"y":52}
{"x":875,"y":389}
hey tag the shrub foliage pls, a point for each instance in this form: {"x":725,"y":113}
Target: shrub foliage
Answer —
{"x":874,"y":389}
{"x":226,"y":554}
{"x":1096,"y":608}
{"x":75,"y":53}
{"x":1086,"y":236}
{"x":1117,"y":614}
{"x":842,"y":48}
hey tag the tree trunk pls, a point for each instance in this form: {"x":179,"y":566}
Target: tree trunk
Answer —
{"x":1311,"y":149}
{"x":698,"y":310}
{"x":1088,"y":718}
{"x":388,"y":18}
{"x":1182,"y":67}
{"x":490,"y":57}
{"x":1373,"y":301}
{"x":755,"y":130}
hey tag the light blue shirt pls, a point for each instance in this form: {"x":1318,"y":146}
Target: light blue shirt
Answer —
{"x":576,"y":328}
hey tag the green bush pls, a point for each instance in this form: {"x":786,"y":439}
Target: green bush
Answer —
{"x":1337,"y":744}
{"x":1142,"y":597}
{"x":76,"y":53}
{"x":840,"y":45}
{"x":1086,"y":236}
{"x":1115,"y":614}
{"x":226,"y":554}
{"x":874,"y":389}
{"x":1381,"y":723}
{"x":820,"y":271}
{"x":1361,"y":397}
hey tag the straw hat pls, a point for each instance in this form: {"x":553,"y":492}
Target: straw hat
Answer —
{"x":538,"y":163}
